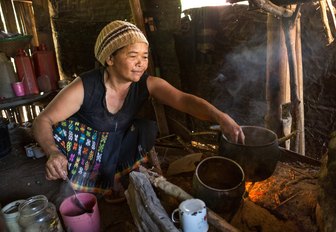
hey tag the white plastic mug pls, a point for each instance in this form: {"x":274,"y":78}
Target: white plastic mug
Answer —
{"x":192,"y":216}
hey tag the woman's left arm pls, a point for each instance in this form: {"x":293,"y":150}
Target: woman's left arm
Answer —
{"x":195,"y":106}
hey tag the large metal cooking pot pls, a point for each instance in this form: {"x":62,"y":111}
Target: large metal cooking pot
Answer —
{"x":220,"y":183}
{"x":258,"y":156}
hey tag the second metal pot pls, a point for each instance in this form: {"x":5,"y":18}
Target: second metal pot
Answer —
{"x":258,"y":156}
{"x":220,"y":183}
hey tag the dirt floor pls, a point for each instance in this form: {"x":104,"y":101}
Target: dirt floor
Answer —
{"x":284,"y":202}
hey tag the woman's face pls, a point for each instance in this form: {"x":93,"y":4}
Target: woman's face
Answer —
{"x":130,"y":62}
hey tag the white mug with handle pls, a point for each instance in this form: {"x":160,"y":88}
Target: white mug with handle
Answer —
{"x":192,"y":216}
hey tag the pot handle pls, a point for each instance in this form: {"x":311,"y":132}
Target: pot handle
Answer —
{"x":173,"y":216}
{"x":285,"y":138}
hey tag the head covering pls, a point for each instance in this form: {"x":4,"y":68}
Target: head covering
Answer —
{"x":115,"y":35}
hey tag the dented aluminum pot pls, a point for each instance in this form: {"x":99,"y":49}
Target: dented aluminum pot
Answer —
{"x":258,"y":156}
{"x":220,"y":183}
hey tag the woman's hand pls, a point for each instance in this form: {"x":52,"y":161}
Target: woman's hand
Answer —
{"x":56,"y":166}
{"x":231,"y":130}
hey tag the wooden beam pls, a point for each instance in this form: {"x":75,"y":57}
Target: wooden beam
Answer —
{"x":290,"y":34}
{"x":277,"y":80}
{"x":325,"y":21}
{"x":52,"y":7}
{"x":29,"y":7}
{"x":301,"y":124}
{"x":158,"y":108}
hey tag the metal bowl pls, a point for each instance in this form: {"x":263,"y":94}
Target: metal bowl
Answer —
{"x":11,"y":45}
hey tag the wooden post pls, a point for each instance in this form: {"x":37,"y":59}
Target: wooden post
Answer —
{"x":53,"y":14}
{"x":290,"y":34}
{"x":35,"y":40}
{"x":158,"y":108}
{"x":298,"y":50}
{"x":323,"y":9}
{"x":277,"y":87}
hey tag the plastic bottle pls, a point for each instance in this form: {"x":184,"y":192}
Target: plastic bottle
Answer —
{"x":26,"y":73}
{"x":46,"y":67}
{"x":7,"y":76}
{"x":37,"y":214}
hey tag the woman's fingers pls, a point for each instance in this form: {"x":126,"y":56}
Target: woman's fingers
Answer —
{"x":235,"y":134}
{"x":240,"y":137}
{"x":56,"y":167}
{"x":51,"y":173}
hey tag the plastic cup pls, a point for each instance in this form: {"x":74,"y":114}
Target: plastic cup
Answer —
{"x":75,"y":219}
{"x":18,"y":89}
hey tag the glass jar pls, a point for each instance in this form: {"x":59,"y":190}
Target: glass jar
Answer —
{"x":37,"y":214}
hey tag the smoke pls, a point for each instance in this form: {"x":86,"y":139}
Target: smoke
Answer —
{"x":240,"y":83}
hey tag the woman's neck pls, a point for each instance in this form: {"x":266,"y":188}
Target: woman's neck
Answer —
{"x":114,"y":83}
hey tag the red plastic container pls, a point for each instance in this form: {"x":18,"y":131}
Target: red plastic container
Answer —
{"x":25,"y":72}
{"x":46,"y":66}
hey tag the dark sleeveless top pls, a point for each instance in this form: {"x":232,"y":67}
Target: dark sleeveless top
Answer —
{"x":128,"y":138}
{"x":93,"y":111}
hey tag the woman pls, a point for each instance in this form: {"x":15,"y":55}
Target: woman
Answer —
{"x":89,"y":131}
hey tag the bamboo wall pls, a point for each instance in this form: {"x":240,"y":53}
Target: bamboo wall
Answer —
{"x":229,"y":72}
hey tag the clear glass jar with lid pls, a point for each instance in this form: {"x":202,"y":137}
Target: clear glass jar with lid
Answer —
{"x":37,"y":214}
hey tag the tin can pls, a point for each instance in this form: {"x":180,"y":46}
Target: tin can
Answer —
{"x":11,"y":215}
{"x":30,"y":150}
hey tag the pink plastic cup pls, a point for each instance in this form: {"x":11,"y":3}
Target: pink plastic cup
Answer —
{"x":74,"y":219}
{"x":18,"y":89}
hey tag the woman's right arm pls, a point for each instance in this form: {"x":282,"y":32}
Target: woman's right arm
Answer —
{"x":66,"y":103}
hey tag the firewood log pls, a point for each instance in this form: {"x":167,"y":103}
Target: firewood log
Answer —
{"x":173,"y":190}
{"x":146,"y":209}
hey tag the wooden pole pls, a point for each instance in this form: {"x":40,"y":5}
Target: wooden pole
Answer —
{"x":291,"y":40}
{"x":325,"y":21}
{"x":332,"y":12}
{"x":35,"y":40}
{"x":53,"y":14}
{"x":277,"y":87}
{"x":301,"y":120}
{"x":158,"y":108}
